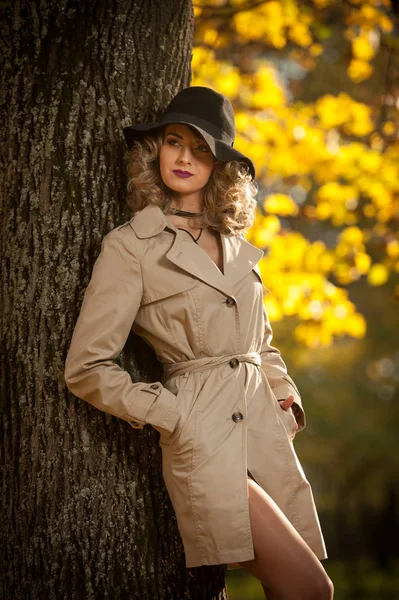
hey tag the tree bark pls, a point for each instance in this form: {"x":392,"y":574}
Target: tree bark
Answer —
{"x":85,"y":513}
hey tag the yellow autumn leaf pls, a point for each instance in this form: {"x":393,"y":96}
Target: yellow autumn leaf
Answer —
{"x":272,"y":223}
{"x":393,"y":248}
{"x":323,"y":210}
{"x":265,"y":21}
{"x":273,"y":308}
{"x":263,"y":229}
{"x":362,"y":48}
{"x":308,"y":335}
{"x":210,"y":36}
{"x":362,"y":262}
{"x":370,"y":161}
{"x":359,"y":70}
{"x":356,"y":326}
{"x":359,"y":123}
{"x":330,"y":111}
{"x":369,"y":210}
{"x":388,"y":127}
{"x":316,"y":49}
{"x":352,"y":235}
{"x":336,"y":193}
{"x":228,"y":83}
{"x":378,"y":274}
{"x":242,"y":120}
{"x":299,"y":34}
{"x":290,"y":305}
{"x":267,"y":92}
{"x":325,"y":337}
{"x":280,"y":204}
{"x":385,"y":23}
{"x":327,"y":262}
{"x":342,"y":272}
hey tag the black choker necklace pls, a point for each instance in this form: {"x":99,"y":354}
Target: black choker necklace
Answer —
{"x":184,"y":213}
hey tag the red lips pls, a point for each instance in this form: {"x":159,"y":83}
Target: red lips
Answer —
{"x":180,"y":173}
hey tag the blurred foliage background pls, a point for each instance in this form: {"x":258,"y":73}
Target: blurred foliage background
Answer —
{"x":315,"y":88}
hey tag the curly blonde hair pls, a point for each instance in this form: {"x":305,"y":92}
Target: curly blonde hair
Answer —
{"x":229,"y":196}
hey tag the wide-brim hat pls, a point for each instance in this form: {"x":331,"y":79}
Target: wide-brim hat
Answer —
{"x":209,"y":112}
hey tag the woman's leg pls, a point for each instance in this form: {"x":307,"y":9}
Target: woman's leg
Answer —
{"x":268,"y":594}
{"x":283,"y":562}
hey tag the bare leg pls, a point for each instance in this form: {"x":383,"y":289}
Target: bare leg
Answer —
{"x":268,"y":593}
{"x":284,"y":563}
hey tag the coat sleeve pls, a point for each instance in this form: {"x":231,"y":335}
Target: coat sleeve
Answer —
{"x":276,"y":372}
{"x":109,"y":307}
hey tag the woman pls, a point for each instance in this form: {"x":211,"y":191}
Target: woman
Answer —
{"x":182,"y":276}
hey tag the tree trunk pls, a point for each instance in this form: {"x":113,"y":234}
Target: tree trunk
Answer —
{"x":85,"y":513}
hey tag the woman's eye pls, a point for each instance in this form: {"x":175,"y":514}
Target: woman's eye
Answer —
{"x":174,"y":142}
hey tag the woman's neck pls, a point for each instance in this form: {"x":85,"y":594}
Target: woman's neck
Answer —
{"x":192,"y":204}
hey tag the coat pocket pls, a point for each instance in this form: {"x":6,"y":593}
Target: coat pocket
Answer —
{"x":288,"y":421}
{"x":185,"y":399}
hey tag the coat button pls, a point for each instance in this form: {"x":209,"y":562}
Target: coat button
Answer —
{"x":230,"y":301}
{"x":155,"y":386}
{"x":234,"y":362}
{"x":237,"y":416}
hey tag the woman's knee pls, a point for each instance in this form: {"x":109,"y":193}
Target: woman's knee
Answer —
{"x":320,"y":589}
{"x":328,"y":588}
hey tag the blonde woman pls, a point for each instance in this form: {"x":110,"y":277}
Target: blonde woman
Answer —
{"x":181,"y":274}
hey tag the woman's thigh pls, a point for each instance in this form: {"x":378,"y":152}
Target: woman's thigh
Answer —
{"x":283,"y":561}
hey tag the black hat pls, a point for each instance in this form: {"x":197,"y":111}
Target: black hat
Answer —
{"x":207,"y":111}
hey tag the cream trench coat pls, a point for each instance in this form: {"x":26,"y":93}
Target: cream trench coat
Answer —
{"x":216,"y":407}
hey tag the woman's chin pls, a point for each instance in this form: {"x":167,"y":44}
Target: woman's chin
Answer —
{"x":181,"y":187}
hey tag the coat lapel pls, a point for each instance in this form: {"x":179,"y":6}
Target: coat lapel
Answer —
{"x":239,"y":256}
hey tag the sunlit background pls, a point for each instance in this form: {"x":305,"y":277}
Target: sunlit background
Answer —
{"x":315,"y":88}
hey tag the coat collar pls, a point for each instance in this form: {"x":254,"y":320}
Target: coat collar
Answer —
{"x":239,"y":256}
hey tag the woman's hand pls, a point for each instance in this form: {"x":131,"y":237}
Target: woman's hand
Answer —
{"x":286,"y":405}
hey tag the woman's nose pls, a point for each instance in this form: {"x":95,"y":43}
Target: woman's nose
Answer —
{"x":185,"y":155}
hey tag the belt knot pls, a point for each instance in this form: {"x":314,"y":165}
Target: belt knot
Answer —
{"x":208,"y":362}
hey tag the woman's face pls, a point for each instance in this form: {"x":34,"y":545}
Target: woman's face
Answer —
{"x":185,"y":159}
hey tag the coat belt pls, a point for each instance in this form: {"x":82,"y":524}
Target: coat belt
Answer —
{"x":208,"y":362}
